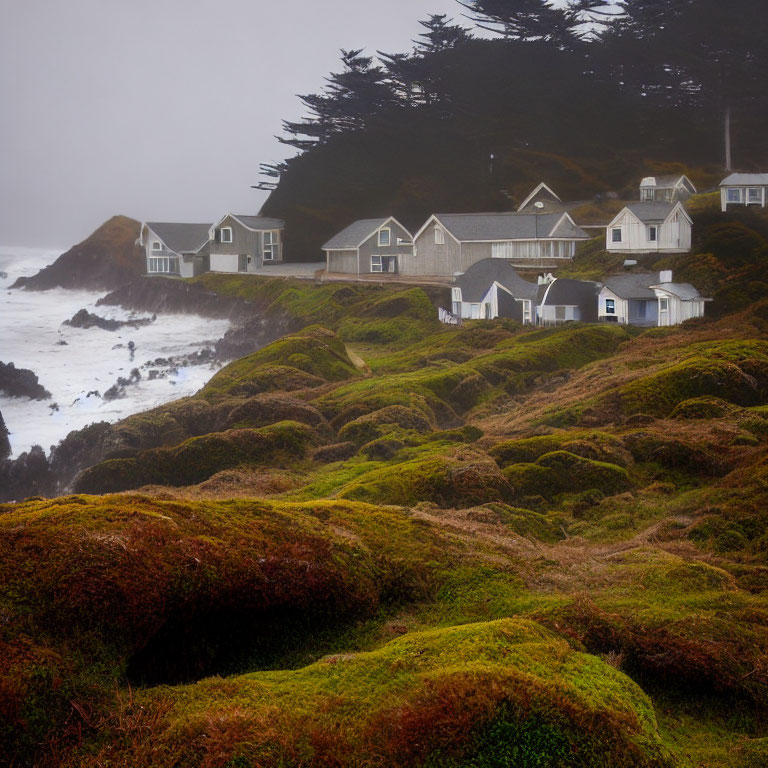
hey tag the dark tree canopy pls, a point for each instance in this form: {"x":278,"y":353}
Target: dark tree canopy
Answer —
{"x":585,"y":93}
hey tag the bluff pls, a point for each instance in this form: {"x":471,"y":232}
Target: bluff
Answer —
{"x":105,"y":260}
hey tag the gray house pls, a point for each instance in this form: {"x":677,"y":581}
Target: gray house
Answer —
{"x":744,"y":189}
{"x":245,"y":243}
{"x":371,"y":246}
{"x":564,"y":300}
{"x":492,"y":288}
{"x":175,"y":249}
{"x":449,"y":244}
{"x":650,"y":299}
{"x":666,"y":189}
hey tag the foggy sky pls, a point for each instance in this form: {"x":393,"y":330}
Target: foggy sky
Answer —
{"x":163,"y":109}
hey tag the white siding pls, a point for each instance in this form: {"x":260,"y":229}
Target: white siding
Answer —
{"x":621,"y":306}
{"x":673,"y":235}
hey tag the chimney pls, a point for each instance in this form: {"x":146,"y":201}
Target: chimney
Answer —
{"x":665,"y":276}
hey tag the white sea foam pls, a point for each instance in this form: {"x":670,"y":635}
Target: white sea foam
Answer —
{"x":92,"y":359}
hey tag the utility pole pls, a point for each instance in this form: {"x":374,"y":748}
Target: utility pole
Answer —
{"x":728,"y":164}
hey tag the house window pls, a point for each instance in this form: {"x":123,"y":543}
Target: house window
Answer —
{"x":225,"y":235}
{"x":270,"y":246}
{"x":610,"y":306}
{"x":385,"y":237}
{"x":164,"y":265}
{"x":439,"y":236}
{"x":375,"y":263}
{"x":646,"y":194}
{"x":754,"y":195}
{"x":527,"y":312}
{"x":734,"y":195}
{"x":664,"y":304}
{"x":616,"y":235}
{"x":560,"y":312}
{"x":157,"y":245}
{"x":653,"y":234}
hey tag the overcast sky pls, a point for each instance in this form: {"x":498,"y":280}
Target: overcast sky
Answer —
{"x":162,"y":109}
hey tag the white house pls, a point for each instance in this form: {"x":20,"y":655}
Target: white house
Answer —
{"x":175,"y":249}
{"x":666,"y":189}
{"x":563,"y":300}
{"x":491,"y":288}
{"x":649,"y":299}
{"x":650,"y":228}
{"x":744,"y":189}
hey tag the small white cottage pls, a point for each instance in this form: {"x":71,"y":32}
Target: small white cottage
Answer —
{"x":744,"y":189}
{"x":666,"y":189}
{"x":650,"y":228}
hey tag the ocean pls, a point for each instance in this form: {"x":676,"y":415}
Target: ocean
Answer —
{"x":77,"y":365}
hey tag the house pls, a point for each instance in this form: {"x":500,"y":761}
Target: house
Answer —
{"x":649,"y":299}
{"x":650,"y":228}
{"x":245,"y":243}
{"x":370,"y":246}
{"x":542,"y":200}
{"x":563,"y":300}
{"x":492,"y":288}
{"x":666,"y":189}
{"x":175,"y":249}
{"x":449,"y":244}
{"x":744,"y":189}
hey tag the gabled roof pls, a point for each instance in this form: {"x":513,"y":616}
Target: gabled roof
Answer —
{"x":180,"y":238}
{"x":352,"y":237}
{"x":479,"y":278}
{"x":497,"y":227}
{"x":666,"y":182}
{"x":684,"y":291}
{"x":254,"y":223}
{"x":637,"y":286}
{"x":578,"y":293}
{"x":745,"y":179}
{"x":543,"y":194}
{"x":650,"y":213}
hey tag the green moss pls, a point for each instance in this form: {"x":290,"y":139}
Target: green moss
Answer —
{"x":197,"y":459}
{"x":452,"y":696}
{"x":702,"y":408}
{"x":378,"y":423}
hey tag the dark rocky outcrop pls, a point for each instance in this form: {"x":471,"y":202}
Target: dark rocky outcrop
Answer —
{"x":28,"y":475}
{"x":86,"y":319}
{"x":20,"y":382}
{"x":108,"y":258}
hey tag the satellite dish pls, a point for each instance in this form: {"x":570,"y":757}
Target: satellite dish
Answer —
{"x":538,"y":204}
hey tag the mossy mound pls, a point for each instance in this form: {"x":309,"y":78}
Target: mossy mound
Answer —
{"x":600,"y":446}
{"x":673,"y":453}
{"x":263,"y":410}
{"x":92,"y":587}
{"x":499,"y":693}
{"x":703,"y":408}
{"x":374,"y":425}
{"x":197,"y":459}
{"x":563,"y":472}
{"x":316,"y":352}
{"x":449,"y":481}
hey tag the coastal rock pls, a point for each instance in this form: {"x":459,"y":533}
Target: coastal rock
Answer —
{"x":20,"y":382}
{"x":107,"y":259}
{"x":86,"y":319}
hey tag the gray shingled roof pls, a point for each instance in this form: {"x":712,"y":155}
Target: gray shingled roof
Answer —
{"x":649,"y":213}
{"x":357,"y":232}
{"x":630,"y":286}
{"x":469,"y":227}
{"x":580,"y":293}
{"x":259,"y":222}
{"x":181,"y":238}
{"x":684,"y":291}
{"x":478,"y":279}
{"x":745,"y":179}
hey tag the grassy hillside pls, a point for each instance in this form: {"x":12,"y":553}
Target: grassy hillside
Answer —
{"x":379,"y":541}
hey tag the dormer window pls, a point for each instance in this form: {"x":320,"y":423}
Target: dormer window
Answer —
{"x":439,"y":236}
{"x":225,"y":235}
{"x":385,"y":238}
{"x":157,"y":245}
